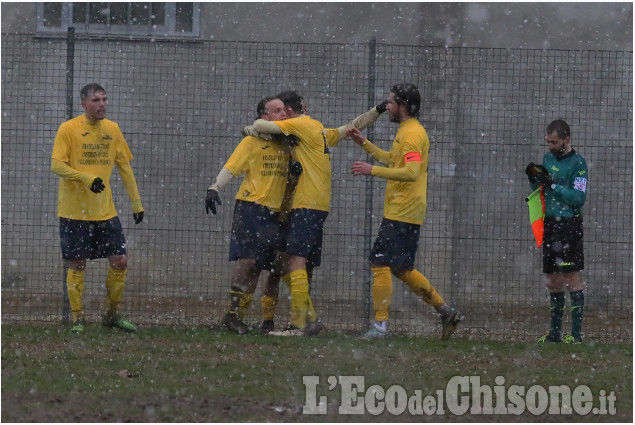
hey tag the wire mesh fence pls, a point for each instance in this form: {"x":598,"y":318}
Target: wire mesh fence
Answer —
{"x":181,"y":106}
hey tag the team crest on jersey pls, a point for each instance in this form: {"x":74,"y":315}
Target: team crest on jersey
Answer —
{"x":580,"y":184}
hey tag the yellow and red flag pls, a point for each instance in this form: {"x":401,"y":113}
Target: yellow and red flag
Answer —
{"x":536,"y":204}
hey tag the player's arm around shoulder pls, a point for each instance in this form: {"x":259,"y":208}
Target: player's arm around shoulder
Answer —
{"x":268,"y":127}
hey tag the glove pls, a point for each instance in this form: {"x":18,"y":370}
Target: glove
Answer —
{"x":295,"y":168}
{"x":544,"y":180}
{"x":98,"y":185}
{"x":138,"y":217}
{"x":291,"y":139}
{"x":211,"y":200}
{"x":381,"y":108}
{"x":530,"y":171}
{"x":538,"y":174}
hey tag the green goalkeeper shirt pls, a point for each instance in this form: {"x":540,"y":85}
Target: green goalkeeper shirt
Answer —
{"x":568,"y":194}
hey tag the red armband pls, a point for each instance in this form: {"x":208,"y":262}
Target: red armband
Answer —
{"x":412,"y":156}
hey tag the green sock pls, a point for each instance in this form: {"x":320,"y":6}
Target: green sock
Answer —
{"x":577,"y":311}
{"x":558,"y":303}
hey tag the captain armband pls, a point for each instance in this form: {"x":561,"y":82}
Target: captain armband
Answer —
{"x":412,"y":156}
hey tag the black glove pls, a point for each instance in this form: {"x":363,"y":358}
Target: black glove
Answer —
{"x":291,"y":140}
{"x":211,"y":200}
{"x":295,"y":168}
{"x":544,"y":180}
{"x":98,"y":185}
{"x":138,"y":217}
{"x":538,"y":174}
{"x":531,"y":172}
{"x":381,"y":108}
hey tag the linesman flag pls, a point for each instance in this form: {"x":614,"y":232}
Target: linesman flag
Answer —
{"x":536,"y":204}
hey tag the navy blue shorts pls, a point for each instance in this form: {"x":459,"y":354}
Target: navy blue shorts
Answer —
{"x":562,"y":247}
{"x":87,"y":240}
{"x":396,"y":245}
{"x":304,"y":231}
{"x":255,"y":234}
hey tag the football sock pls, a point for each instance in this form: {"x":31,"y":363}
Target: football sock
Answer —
{"x":382,"y":292}
{"x":245,"y":302}
{"x":577,"y":311}
{"x":268,"y":307}
{"x":299,"y":284}
{"x":235,"y":295}
{"x":75,"y":288}
{"x":422,"y":287}
{"x":115,"y":282}
{"x":558,"y":302}
{"x":311,"y":315}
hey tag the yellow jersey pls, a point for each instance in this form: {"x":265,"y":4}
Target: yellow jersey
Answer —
{"x":314,"y":185}
{"x":406,"y":201}
{"x":266,"y":167}
{"x":93,"y":149}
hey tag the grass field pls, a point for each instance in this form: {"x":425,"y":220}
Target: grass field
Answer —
{"x":209,"y":375}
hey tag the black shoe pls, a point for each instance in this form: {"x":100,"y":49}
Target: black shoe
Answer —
{"x":267,"y":326}
{"x":449,"y":323}
{"x":313,"y":328}
{"x":233,"y":323}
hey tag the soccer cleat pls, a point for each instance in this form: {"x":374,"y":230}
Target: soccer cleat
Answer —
{"x":79,"y":324}
{"x":233,"y":323}
{"x":374,"y":333}
{"x":313,"y":328}
{"x":78,"y":327}
{"x":116,"y":321}
{"x":267,"y":326}
{"x":570,"y":339}
{"x":549,"y":338}
{"x":449,"y":323}
{"x":288,"y":331}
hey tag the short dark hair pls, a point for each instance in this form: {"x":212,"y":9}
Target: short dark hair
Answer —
{"x":291,"y":99}
{"x":261,"y":109}
{"x":407,"y":94}
{"x":90,"y":88}
{"x":560,"y":127}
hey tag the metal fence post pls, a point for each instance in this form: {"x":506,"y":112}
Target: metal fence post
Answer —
{"x":368,"y":217}
{"x":70,"y":62}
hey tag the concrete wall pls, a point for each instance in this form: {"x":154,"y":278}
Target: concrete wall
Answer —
{"x":587,"y":26}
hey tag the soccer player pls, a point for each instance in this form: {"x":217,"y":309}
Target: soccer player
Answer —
{"x":85,"y":150}
{"x":311,"y":202}
{"x":255,"y":226}
{"x":563,"y":176}
{"x":406,"y":169}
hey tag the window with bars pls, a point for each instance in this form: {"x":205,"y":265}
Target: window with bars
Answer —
{"x":147,"y":18}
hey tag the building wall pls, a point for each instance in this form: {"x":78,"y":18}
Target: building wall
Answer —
{"x":587,"y":26}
